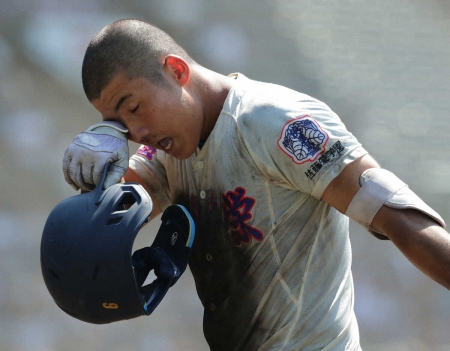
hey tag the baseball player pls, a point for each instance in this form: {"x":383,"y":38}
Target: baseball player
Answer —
{"x":270,"y":176}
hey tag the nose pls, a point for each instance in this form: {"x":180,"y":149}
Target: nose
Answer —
{"x":138,"y":134}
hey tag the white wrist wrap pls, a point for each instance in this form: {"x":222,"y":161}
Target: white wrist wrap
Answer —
{"x":380,"y":187}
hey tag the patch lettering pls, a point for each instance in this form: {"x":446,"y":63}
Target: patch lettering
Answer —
{"x":146,"y":151}
{"x":303,"y":139}
{"x":335,"y":150}
{"x":237,"y":211}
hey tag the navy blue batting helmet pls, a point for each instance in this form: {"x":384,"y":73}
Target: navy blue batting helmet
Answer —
{"x":86,"y":249}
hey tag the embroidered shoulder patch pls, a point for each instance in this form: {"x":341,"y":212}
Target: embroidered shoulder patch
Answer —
{"x":146,"y":151}
{"x":303,"y":139}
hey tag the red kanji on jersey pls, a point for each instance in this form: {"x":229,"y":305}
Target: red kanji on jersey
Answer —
{"x":237,"y":209}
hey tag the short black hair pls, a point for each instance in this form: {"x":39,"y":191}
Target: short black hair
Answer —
{"x":127,"y":45}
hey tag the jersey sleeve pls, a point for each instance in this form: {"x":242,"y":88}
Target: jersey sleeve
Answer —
{"x":304,"y":146}
{"x":148,"y":164}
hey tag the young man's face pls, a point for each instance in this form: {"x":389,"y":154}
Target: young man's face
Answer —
{"x":166,"y":116}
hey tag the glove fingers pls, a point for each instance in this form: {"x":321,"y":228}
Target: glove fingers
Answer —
{"x":112,"y":178}
{"x":80,"y":179}
{"x":66,"y":172}
{"x":77,"y":173}
{"x":116,"y":170}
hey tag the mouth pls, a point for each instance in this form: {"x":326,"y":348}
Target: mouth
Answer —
{"x":166,"y":143}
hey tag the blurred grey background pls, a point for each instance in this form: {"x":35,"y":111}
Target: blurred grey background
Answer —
{"x":383,"y":66}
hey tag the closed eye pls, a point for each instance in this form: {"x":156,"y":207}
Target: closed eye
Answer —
{"x":135,"y":109}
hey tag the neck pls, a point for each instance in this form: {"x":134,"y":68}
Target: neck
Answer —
{"x":213,"y":89}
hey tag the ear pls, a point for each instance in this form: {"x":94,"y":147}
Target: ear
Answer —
{"x":178,"y":68}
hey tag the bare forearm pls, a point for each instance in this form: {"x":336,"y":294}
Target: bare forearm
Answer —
{"x":420,"y":239}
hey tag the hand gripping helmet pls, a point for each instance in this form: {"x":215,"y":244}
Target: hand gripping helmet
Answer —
{"x":86,"y":250}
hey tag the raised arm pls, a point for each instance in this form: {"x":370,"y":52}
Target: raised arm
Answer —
{"x":418,"y":235}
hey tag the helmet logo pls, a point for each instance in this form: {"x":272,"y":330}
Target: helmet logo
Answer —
{"x":174,"y":238}
{"x":110,"y":305}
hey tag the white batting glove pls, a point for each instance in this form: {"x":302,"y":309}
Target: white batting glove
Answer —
{"x":88,"y":153}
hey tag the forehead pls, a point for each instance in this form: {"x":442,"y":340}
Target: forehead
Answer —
{"x":118,"y":83}
{"x":120,"y":87}
{"x":124,"y":83}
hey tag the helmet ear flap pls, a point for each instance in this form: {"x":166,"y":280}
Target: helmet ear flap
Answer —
{"x":168,"y":255}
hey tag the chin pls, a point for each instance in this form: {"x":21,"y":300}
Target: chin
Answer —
{"x":186,"y":153}
{"x":181,"y":157}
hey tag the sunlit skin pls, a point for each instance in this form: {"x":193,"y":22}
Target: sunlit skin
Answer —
{"x":172,"y":117}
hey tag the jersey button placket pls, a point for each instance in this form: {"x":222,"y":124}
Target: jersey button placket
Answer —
{"x":198,"y":166}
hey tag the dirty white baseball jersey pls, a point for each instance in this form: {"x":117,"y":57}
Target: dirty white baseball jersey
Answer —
{"x":271,"y":261}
